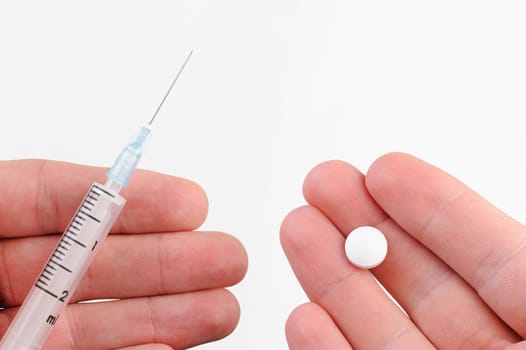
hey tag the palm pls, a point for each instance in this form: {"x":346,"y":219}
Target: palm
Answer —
{"x":455,"y":264}
{"x":168,"y":281}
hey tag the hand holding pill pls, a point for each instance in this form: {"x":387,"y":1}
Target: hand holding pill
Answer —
{"x":454,"y":263}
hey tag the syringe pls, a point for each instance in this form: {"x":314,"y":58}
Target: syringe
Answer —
{"x":77,"y":247}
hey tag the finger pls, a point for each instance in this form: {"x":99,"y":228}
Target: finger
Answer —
{"x":148,"y":347}
{"x":478,"y":241}
{"x":40,"y":196}
{"x":352,"y":297}
{"x":425,"y":286}
{"x":180,"y":321}
{"x":309,"y":327}
{"x":131,"y":265}
{"x":518,"y":346}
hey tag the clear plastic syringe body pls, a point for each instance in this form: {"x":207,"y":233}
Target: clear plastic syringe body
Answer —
{"x":73,"y":254}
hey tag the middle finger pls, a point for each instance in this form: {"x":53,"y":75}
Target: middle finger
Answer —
{"x":132,"y":265}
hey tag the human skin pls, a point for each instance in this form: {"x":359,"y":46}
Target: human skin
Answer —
{"x":169,"y":280}
{"x":456,"y":264}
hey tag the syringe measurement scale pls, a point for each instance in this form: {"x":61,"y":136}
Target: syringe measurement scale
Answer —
{"x":66,"y":266}
{"x":81,"y":239}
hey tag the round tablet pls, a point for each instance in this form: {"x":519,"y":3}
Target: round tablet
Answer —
{"x":366,"y":247}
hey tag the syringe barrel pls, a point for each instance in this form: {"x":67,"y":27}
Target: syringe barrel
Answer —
{"x":64,"y":270}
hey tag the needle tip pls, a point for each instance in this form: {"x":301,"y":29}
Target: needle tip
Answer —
{"x":171,"y":86}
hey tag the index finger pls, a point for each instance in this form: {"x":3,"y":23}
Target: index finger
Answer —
{"x":481,"y":243}
{"x":41,"y":196}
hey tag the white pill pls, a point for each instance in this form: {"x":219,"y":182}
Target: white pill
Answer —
{"x":366,"y":247}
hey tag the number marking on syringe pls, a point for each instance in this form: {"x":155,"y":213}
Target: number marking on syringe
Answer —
{"x":71,"y":238}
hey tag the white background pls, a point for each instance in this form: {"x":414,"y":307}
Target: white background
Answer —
{"x":274,"y":87}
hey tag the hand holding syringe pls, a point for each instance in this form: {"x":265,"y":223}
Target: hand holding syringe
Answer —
{"x":75,"y":250}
